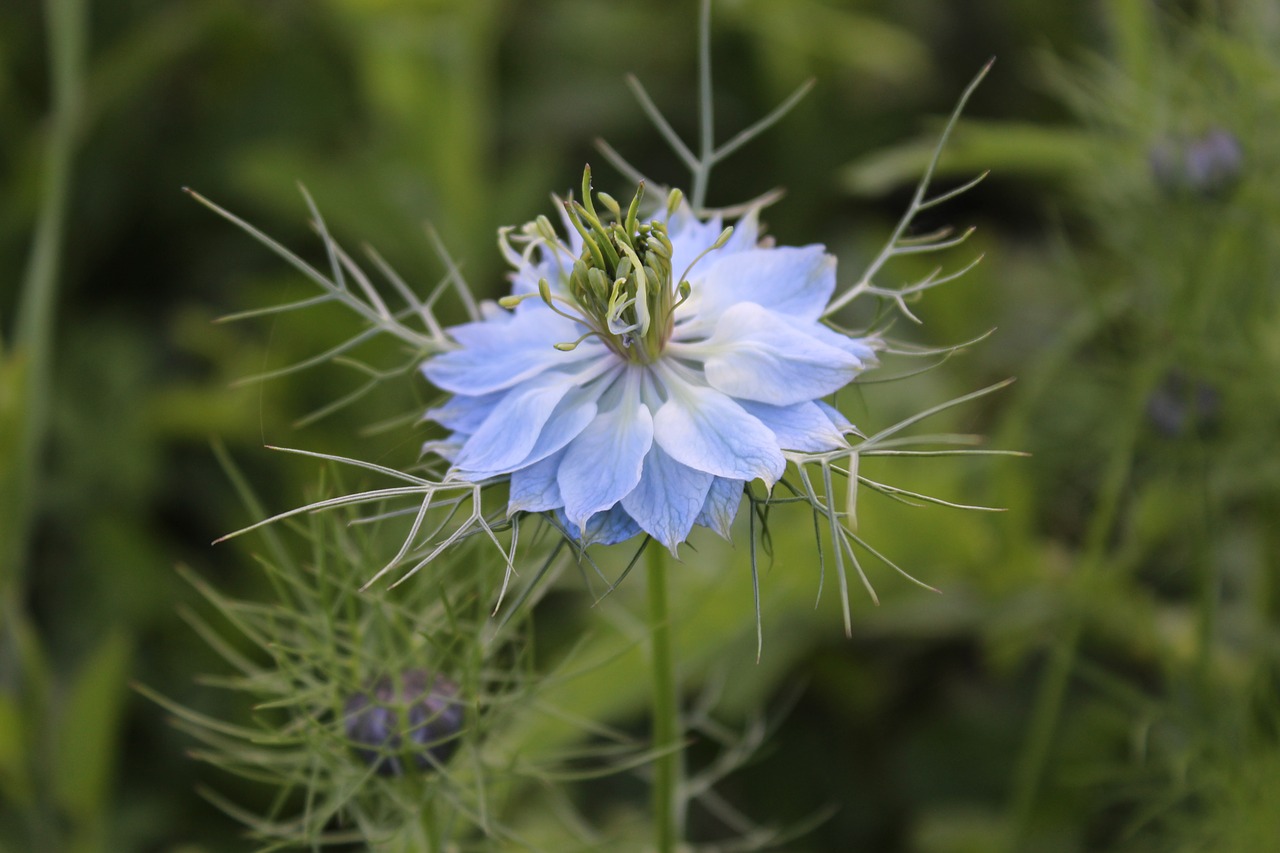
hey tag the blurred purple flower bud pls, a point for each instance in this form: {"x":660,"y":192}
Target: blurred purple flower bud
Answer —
{"x":1207,"y":166}
{"x":433,"y":718}
{"x":1213,"y":162}
{"x":1180,"y":404}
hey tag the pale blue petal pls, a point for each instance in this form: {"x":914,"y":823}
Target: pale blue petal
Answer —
{"x":605,"y":528}
{"x":795,"y":281}
{"x":553,"y":263}
{"x":491,"y":312}
{"x":570,"y":417}
{"x":708,"y":431}
{"x":862,"y":349}
{"x":690,"y":237}
{"x":754,"y":355}
{"x":478,"y":332}
{"x":554,"y":267}
{"x":802,"y":426}
{"x":502,"y":353}
{"x":746,"y":235}
{"x":534,"y":488}
{"x":604,"y":462}
{"x":838,"y":420}
{"x":682,"y":219}
{"x":525,"y":280}
{"x":611,"y":527}
{"x":507,"y":436}
{"x":465,"y":414}
{"x":721,"y":505}
{"x":668,"y":499}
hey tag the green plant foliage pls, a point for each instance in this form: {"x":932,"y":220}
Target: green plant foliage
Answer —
{"x":88,"y":738}
{"x":1099,"y":670}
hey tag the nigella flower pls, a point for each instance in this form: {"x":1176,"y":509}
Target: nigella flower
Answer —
{"x":643,"y":372}
{"x":432,"y":718}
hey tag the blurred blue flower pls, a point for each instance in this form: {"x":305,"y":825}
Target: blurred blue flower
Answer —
{"x":642,"y":372}
{"x":1182,"y":404}
{"x":1208,"y":166}
{"x":432,"y":714}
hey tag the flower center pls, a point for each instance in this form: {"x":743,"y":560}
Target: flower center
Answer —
{"x":621,"y":286}
{"x":622,"y":282}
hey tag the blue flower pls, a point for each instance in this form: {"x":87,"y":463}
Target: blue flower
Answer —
{"x":643,"y":372}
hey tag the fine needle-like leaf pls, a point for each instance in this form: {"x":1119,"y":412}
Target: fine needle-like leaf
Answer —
{"x":755,"y":588}
{"x":895,"y":245}
{"x":660,"y":122}
{"x":930,"y":412}
{"x":774,"y":116}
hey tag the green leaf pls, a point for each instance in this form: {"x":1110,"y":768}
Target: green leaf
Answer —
{"x":24,"y":700}
{"x":87,"y":734}
{"x":1006,"y":148}
{"x":866,"y":43}
{"x":1135,"y":35}
{"x":15,"y":783}
{"x":12,"y":424}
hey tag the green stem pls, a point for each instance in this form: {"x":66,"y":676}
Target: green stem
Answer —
{"x":25,"y":394}
{"x":33,"y":330}
{"x":1029,"y":774}
{"x":422,"y":831}
{"x":1206,"y":568}
{"x":706,"y":137}
{"x":432,"y":836}
{"x":666,"y":710}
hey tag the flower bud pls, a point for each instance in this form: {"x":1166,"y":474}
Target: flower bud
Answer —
{"x":432,"y":718}
{"x":1207,"y":166}
{"x":1181,"y":405}
{"x":1213,"y":162}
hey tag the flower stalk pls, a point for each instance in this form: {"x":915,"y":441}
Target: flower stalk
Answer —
{"x":668,"y":762}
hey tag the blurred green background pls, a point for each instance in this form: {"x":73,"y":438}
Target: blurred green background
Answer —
{"x":1101,"y":669}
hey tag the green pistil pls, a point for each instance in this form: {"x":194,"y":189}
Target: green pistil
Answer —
{"x":622,"y":282}
{"x":620,"y":287}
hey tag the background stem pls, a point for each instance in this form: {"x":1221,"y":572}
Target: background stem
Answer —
{"x":26,"y":379}
{"x":1052,"y":691}
{"x":33,"y":329}
{"x":666,"y":711}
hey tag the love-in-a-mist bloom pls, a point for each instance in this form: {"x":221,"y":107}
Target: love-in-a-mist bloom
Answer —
{"x":642,"y":372}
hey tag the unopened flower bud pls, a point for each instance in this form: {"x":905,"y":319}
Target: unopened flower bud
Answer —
{"x":1207,"y":166}
{"x":1213,"y":162}
{"x":409,"y":720}
{"x":1181,"y":405}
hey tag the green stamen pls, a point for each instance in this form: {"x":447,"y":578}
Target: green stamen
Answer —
{"x":621,"y":281}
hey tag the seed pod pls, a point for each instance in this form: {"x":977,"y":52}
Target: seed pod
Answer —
{"x":432,"y":718}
